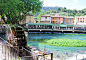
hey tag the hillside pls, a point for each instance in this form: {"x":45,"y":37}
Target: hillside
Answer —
{"x":63,"y":11}
{"x":50,"y":8}
{"x":45,"y":9}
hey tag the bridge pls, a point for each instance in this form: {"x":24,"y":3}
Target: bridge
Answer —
{"x":39,"y":27}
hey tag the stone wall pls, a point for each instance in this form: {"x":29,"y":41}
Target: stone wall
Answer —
{"x":2,"y":29}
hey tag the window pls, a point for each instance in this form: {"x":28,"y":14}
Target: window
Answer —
{"x":59,"y":18}
{"x":69,"y":22}
{"x":64,"y":19}
{"x":29,"y":21}
{"x":52,"y":21}
{"x":64,"y":22}
{"x":45,"y":17}
{"x":30,"y":17}
{"x":55,"y":22}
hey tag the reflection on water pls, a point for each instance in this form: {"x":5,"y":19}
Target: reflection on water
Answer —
{"x":58,"y":51}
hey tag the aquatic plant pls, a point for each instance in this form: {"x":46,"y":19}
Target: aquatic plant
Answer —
{"x":63,"y":42}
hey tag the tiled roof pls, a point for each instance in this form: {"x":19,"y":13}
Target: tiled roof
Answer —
{"x":68,"y":17}
{"x":57,"y":16}
{"x":81,"y":16}
{"x":45,"y":16}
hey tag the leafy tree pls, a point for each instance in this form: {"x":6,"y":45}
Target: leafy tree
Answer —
{"x":36,"y":21}
{"x":64,"y":7}
{"x":82,"y":11}
{"x":39,"y":16}
{"x":63,"y":10}
{"x":75,"y":11}
{"x":79,"y":11}
{"x":77,"y":14}
{"x":58,"y":9}
{"x":62,"y":14}
{"x":48,"y":12}
{"x":70,"y":14}
{"x":69,"y":11}
{"x":12,"y":9}
{"x":53,"y":11}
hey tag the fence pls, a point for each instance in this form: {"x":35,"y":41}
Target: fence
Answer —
{"x":12,"y":53}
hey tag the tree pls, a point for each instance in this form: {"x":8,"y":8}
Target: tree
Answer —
{"x":58,"y":9}
{"x":62,"y":14}
{"x":53,"y":11}
{"x":39,"y":16}
{"x":63,"y":10}
{"x":79,"y":11}
{"x":48,"y":12}
{"x":64,"y":7}
{"x":82,"y":11}
{"x":75,"y":11}
{"x":12,"y":9}
{"x":68,"y":11}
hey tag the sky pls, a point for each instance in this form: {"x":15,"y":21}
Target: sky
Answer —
{"x":69,"y":4}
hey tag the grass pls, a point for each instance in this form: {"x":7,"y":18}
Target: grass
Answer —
{"x":63,"y":42}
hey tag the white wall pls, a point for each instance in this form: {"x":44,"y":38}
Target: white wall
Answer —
{"x":80,"y":23}
{"x":44,"y":19}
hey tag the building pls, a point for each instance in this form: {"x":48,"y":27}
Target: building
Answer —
{"x":68,"y":20}
{"x":80,"y":20}
{"x":45,"y":19}
{"x":57,"y":19}
{"x":27,"y":19}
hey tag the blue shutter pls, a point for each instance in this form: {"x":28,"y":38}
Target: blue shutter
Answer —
{"x":64,"y":22}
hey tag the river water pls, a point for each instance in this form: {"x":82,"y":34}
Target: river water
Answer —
{"x":59,"y":52}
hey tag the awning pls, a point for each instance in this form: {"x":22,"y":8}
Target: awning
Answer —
{"x":63,"y":25}
{"x":79,"y":26}
{"x":55,"y":24}
{"x":69,"y":25}
{"x":39,"y":24}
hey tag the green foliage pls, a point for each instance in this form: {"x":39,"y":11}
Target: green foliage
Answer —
{"x":39,"y":16}
{"x":53,"y":11}
{"x":63,"y":42}
{"x":12,"y":9}
{"x":13,"y":59}
{"x":62,"y":14}
{"x":36,"y":21}
{"x":69,"y":12}
{"x":63,"y":10}
{"x":58,"y":9}
{"x":48,"y":12}
{"x":0,"y":22}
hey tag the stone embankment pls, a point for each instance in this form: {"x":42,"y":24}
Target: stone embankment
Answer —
{"x":2,"y":29}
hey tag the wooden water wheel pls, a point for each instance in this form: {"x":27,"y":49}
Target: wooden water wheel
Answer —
{"x":19,"y":39}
